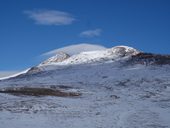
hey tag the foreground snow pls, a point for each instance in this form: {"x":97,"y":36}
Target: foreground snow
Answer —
{"x":113,"y":96}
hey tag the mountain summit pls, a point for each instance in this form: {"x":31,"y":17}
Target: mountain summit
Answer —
{"x":62,"y":58}
{"x":105,"y":55}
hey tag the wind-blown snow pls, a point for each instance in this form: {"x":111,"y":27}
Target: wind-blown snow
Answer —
{"x":7,"y":73}
{"x":14,"y":74}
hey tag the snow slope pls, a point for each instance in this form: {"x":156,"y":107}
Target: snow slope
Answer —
{"x":114,"y":94}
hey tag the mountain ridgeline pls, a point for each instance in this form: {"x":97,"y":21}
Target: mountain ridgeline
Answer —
{"x":120,"y":55}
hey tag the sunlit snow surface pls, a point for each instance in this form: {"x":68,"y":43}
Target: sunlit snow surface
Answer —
{"x":113,"y":96}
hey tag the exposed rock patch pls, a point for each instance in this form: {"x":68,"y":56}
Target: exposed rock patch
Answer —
{"x":38,"y":92}
{"x":59,"y":57}
{"x":151,"y":59}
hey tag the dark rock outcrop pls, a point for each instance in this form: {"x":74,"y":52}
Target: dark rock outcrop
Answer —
{"x":150,"y":59}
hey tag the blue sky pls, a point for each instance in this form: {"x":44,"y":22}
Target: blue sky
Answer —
{"x":29,"y":28}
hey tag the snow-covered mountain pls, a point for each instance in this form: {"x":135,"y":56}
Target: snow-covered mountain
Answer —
{"x":89,"y":57}
{"x":118,"y":87}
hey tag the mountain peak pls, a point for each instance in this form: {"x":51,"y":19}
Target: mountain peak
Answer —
{"x":63,"y":58}
{"x":59,"y":57}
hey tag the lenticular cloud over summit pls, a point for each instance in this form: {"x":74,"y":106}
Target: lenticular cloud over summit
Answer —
{"x":76,"y":49}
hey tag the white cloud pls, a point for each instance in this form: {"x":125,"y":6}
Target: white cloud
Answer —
{"x":91,"y":33}
{"x":75,"y":49}
{"x":50,"y":17}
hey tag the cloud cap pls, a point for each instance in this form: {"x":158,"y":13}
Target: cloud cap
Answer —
{"x":76,"y":49}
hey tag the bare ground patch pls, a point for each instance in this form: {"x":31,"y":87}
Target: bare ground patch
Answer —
{"x":30,"y":91}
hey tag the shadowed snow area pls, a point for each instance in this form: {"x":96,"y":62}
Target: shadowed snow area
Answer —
{"x":34,"y":91}
{"x":111,"y":88}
